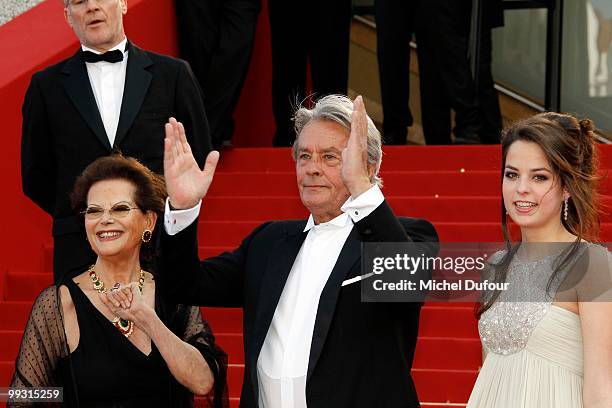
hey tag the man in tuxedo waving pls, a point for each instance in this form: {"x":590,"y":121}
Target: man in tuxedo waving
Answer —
{"x":308,"y":338}
{"x":109,"y":95}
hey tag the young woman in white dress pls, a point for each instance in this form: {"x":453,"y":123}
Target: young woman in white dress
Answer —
{"x":553,"y":350}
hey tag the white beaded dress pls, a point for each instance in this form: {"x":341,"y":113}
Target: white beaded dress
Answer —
{"x":534,"y":356}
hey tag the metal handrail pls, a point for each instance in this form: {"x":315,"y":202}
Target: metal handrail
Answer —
{"x":554,"y":46}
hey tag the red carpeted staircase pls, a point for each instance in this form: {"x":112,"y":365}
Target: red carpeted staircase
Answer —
{"x":455,"y":187}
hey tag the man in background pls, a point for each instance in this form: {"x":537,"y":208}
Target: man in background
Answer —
{"x":109,"y":95}
{"x":446,"y":80}
{"x":315,"y":35}
{"x":216,"y":37}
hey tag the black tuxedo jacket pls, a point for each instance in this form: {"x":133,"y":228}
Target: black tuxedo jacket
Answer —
{"x":63,"y":132}
{"x":361,"y":353}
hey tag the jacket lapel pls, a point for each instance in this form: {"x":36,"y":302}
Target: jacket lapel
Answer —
{"x":272,"y":284}
{"x":349,"y":255}
{"x":77,"y":86}
{"x":137,"y":81}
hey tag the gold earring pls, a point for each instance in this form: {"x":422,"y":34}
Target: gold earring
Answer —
{"x":147,"y":235}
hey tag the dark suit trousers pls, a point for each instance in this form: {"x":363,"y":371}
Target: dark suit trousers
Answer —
{"x":395,"y":25}
{"x":216,"y":38}
{"x":488,"y":100}
{"x":315,"y":33}
{"x":445,"y":77}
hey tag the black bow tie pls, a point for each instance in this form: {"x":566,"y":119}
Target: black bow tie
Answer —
{"x":109,"y":56}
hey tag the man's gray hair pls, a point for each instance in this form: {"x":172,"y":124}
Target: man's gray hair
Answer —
{"x":339,"y":108}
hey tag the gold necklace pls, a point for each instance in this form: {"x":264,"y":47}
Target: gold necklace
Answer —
{"x":126,"y":327}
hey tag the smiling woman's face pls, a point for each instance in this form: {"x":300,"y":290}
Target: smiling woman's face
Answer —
{"x":532,"y":192}
{"x":115,"y":233}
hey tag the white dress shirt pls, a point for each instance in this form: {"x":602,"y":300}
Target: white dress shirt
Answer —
{"x":283,"y":361}
{"x":107,"y":81}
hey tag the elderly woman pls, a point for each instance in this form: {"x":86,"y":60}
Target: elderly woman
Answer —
{"x":108,"y":336}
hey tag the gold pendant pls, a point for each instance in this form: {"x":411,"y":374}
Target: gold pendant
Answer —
{"x":126,"y":327}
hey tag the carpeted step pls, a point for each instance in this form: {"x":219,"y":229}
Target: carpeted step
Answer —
{"x":9,"y":344}
{"x":26,"y":286}
{"x":459,"y":305}
{"x":14,"y":314}
{"x":235,"y":373}
{"x":447,"y":353}
{"x":450,"y":320}
{"x":223,"y":319}
{"x":7,"y":368}
{"x":444,"y":385}
{"x":232,"y":344}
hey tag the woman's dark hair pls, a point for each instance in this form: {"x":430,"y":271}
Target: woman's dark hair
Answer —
{"x":150,"y":194}
{"x":569,"y":146}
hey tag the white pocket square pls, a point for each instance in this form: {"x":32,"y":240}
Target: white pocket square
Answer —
{"x":357,"y":279}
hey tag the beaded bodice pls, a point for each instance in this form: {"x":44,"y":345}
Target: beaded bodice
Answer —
{"x":506,"y":326}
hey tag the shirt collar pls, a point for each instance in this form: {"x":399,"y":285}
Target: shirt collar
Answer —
{"x":337,"y":223}
{"x":121,"y":46}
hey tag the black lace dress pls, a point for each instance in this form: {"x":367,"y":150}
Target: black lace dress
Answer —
{"x":106,"y":369}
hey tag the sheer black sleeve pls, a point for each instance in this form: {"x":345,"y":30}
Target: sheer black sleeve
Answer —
{"x":43,"y":345}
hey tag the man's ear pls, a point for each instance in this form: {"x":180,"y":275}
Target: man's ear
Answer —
{"x":67,"y":16}
{"x":371,"y":171}
{"x":124,"y":7}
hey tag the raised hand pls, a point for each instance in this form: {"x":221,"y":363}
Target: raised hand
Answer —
{"x":186,"y":183}
{"x":355,"y":169}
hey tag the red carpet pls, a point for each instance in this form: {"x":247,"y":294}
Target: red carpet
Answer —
{"x":457,"y":188}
